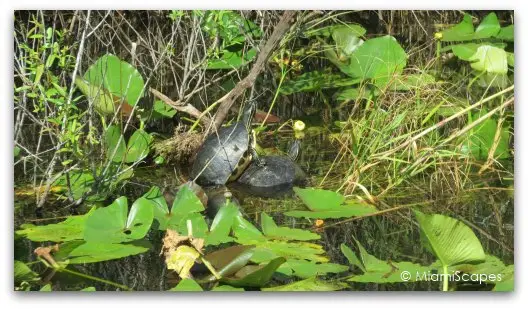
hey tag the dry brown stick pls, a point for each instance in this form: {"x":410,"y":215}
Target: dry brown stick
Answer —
{"x":182,"y":107}
{"x":265,"y":51}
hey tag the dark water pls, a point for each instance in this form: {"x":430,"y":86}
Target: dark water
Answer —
{"x":487,"y":207}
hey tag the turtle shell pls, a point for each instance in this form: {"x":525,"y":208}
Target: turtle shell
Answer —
{"x":278,"y":175}
{"x":220,"y":155}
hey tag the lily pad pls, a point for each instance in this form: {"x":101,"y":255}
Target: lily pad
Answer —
{"x":111,"y":225}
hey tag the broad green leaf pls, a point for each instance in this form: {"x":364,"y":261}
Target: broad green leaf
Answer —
{"x":115,"y":142}
{"x":187,"y":285}
{"x":138,"y":146}
{"x":197,"y":222}
{"x":222,"y":223}
{"x":24,"y":273}
{"x":490,"y":59}
{"x":328,"y":204}
{"x":463,"y":31}
{"x":377,"y":59}
{"x":347,"y":39}
{"x":118,"y":77}
{"x":70,"y":229}
{"x":229,"y":260}
{"x":110,"y":224}
{"x":506,"y":33}
{"x":80,"y":183}
{"x":266,"y":250}
{"x":353,"y":94}
{"x":319,"y":199}
{"x":451,"y":241}
{"x":88,"y":289}
{"x":103,"y":101}
{"x":465,"y":51}
{"x":160,"y":208}
{"x":308,"y":285}
{"x":488,"y":27}
{"x":185,"y":203}
{"x":256,"y":276}
{"x":271,"y":230}
{"x":313,"y":81}
{"x":16,"y":151}
{"x":510,"y":59}
{"x":91,"y":252}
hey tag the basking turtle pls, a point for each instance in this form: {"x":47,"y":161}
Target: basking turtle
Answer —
{"x":276,"y":176}
{"x":226,"y":153}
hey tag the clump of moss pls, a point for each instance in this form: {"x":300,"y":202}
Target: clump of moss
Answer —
{"x":180,"y":148}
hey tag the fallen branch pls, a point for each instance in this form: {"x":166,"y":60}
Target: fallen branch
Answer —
{"x":265,"y":51}
{"x":182,"y":107}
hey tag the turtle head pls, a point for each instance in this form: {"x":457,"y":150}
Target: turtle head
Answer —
{"x":249,"y":112}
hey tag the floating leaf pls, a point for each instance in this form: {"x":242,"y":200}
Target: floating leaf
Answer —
{"x":162,"y":110}
{"x":271,"y":230}
{"x":70,"y":229}
{"x":227,"y":288}
{"x":110,"y":224}
{"x":308,"y":285}
{"x":352,"y":257}
{"x":185,"y":203}
{"x":91,"y":252}
{"x":328,"y":204}
{"x":187,"y":285}
{"x":222,"y":223}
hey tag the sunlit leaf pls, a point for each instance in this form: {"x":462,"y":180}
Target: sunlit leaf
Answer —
{"x":118,"y":77}
{"x":506,"y":33}
{"x":451,"y":241}
{"x":70,"y":229}
{"x":110,"y":224}
{"x":461,"y":32}
{"x":488,"y":27}
{"x":377,"y":59}
{"x":347,"y":39}
{"x":24,"y":273}
{"x":91,"y":252}
{"x":490,"y":59}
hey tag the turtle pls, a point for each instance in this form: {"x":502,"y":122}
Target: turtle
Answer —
{"x":226,"y":153}
{"x":276,"y":176}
